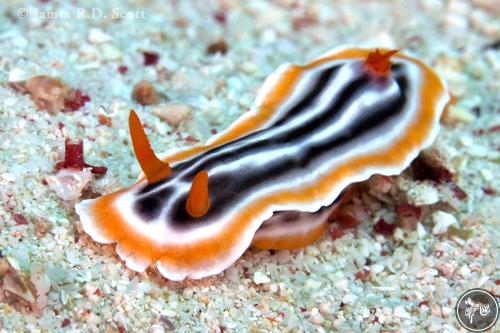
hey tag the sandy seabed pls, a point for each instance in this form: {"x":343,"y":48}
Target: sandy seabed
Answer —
{"x":213,"y":57}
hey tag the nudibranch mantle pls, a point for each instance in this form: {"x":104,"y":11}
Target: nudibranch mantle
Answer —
{"x":314,"y":130}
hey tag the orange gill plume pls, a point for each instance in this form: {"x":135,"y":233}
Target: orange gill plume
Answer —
{"x":154,"y":169}
{"x":380,"y":63}
{"x":198,"y":201}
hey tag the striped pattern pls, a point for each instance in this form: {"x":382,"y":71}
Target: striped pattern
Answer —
{"x":329,"y":121}
{"x":315,"y":129}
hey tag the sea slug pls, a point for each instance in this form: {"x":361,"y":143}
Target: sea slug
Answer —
{"x":275,"y":175}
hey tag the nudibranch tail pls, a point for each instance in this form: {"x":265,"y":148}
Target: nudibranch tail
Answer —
{"x":198,"y":201}
{"x":154,"y":169}
{"x":314,"y":130}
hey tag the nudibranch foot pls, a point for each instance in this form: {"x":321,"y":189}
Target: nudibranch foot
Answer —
{"x":314,"y":130}
{"x":290,"y":230}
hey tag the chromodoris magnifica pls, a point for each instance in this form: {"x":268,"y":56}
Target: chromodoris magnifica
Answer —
{"x":275,"y":175}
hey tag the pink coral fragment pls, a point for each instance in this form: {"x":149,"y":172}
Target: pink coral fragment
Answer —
{"x":20,"y":219}
{"x":384,"y":228}
{"x":76,"y":100}
{"x":73,"y":158}
{"x":150,"y":58}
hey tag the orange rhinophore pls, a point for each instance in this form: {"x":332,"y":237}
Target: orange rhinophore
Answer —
{"x":198,"y":201}
{"x":274,"y":177}
{"x":380,"y":63}
{"x":153,"y":168}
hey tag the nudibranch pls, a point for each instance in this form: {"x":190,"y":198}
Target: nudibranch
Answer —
{"x":275,"y":175}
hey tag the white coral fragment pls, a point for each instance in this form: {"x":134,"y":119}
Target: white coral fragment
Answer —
{"x":68,"y":184}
